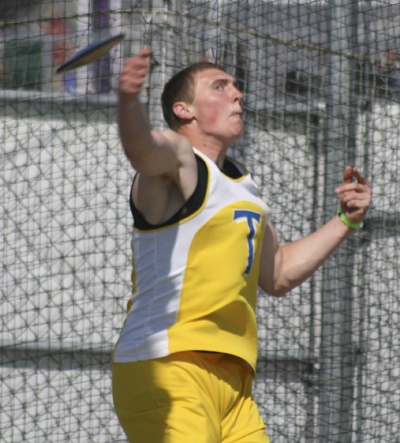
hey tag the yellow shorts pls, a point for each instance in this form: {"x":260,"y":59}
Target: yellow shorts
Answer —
{"x":187,"y":397}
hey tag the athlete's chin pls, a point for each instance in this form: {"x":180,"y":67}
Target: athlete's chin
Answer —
{"x":238,"y":126}
{"x":240,"y":131}
{"x":234,"y":134}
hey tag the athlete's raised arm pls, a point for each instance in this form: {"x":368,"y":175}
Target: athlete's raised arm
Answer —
{"x":151,"y":153}
{"x":285,"y":267}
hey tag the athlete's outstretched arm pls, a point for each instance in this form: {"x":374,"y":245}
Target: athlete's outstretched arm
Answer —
{"x":152,"y":153}
{"x":285,"y":267}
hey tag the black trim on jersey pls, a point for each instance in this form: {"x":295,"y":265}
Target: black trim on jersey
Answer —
{"x":193,"y":203}
{"x":230,"y":169}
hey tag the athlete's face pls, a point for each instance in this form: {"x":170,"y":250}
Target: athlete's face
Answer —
{"x":217,"y":105}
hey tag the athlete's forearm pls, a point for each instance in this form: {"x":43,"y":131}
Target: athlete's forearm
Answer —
{"x":294,"y":263}
{"x":134,"y":128}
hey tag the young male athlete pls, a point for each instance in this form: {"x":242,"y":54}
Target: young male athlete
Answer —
{"x":202,"y":244}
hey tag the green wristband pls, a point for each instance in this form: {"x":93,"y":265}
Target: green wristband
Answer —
{"x":346,"y":221}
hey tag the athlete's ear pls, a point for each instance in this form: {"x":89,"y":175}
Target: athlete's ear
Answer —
{"x":183,"y":111}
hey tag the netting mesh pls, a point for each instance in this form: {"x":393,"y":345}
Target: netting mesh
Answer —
{"x":321,"y":82}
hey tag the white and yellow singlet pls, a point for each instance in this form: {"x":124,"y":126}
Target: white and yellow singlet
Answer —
{"x":195,"y":277}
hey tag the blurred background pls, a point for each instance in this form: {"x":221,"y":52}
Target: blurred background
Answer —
{"x":321,"y":83}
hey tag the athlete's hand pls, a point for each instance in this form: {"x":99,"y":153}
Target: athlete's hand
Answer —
{"x":134,"y":73}
{"x":355,"y":195}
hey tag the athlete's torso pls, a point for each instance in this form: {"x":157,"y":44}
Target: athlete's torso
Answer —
{"x":195,"y":277}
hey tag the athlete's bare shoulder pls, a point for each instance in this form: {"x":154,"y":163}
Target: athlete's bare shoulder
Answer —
{"x":182,"y":152}
{"x":159,"y":196}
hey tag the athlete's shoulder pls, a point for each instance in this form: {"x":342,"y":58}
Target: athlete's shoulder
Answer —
{"x":177,"y":140}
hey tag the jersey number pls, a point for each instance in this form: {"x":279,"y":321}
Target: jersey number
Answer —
{"x":251,"y":218}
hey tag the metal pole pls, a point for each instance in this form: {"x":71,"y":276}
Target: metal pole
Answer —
{"x":165,"y":33}
{"x":310,"y":384}
{"x":336,"y":352}
{"x":101,"y":28}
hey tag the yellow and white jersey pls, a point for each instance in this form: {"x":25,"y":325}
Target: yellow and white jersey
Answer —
{"x":195,"y":278}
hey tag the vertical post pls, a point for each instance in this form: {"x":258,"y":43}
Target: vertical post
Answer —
{"x":101,"y":28}
{"x":336,"y":376}
{"x":165,"y":38}
{"x":310,"y":385}
{"x":82,"y":8}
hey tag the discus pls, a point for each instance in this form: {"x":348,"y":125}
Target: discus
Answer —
{"x":90,"y":53}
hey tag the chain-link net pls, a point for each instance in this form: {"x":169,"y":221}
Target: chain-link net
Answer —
{"x":322,"y":89}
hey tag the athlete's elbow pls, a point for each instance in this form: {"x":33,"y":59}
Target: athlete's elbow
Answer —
{"x":276,"y":290}
{"x":278,"y":293}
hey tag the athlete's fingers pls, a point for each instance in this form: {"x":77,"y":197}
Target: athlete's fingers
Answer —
{"x":134,"y":73}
